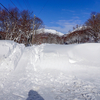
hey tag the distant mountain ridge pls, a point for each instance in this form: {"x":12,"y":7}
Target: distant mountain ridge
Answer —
{"x":49,"y":31}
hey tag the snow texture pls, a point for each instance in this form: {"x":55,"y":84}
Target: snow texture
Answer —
{"x":49,"y":71}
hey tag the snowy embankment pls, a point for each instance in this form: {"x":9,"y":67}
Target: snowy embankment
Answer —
{"x":56,"y":72}
{"x":10,"y":54}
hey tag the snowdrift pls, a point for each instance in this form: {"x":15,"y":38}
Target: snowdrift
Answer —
{"x":10,"y":51}
{"x":63,"y":56}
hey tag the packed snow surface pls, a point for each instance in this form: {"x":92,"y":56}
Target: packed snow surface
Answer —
{"x":49,"y":71}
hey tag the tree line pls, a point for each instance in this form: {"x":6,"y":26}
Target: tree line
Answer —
{"x":22,"y":26}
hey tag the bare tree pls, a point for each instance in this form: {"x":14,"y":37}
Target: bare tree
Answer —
{"x":18,"y":25}
{"x":25,"y":26}
{"x":94,"y":23}
{"x":37,"y":24}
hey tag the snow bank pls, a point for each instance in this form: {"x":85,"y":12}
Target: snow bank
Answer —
{"x":10,"y":53}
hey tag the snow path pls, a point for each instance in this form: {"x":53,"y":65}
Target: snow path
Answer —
{"x":75,"y":83}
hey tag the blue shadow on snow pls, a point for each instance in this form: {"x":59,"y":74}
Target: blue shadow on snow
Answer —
{"x":33,"y":95}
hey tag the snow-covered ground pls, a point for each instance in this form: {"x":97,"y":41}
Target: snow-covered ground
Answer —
{"x":49,"y":71}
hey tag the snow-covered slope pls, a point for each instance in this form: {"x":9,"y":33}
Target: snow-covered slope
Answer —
{"x":49,"y":31}
{"x":49,"y":72}
{"x":81,"y":28}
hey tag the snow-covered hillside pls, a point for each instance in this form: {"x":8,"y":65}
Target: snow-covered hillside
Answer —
{"x":49,"y":31}
{"x":81,"y":28}
{"x":49,"y":71}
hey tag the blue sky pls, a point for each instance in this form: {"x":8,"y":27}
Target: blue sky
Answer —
{"x":60,"y":15}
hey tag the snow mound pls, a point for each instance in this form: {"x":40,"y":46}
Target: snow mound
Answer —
{"x":49,"y":31}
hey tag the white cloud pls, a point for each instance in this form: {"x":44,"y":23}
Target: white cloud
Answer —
{"x":64,"y":25}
